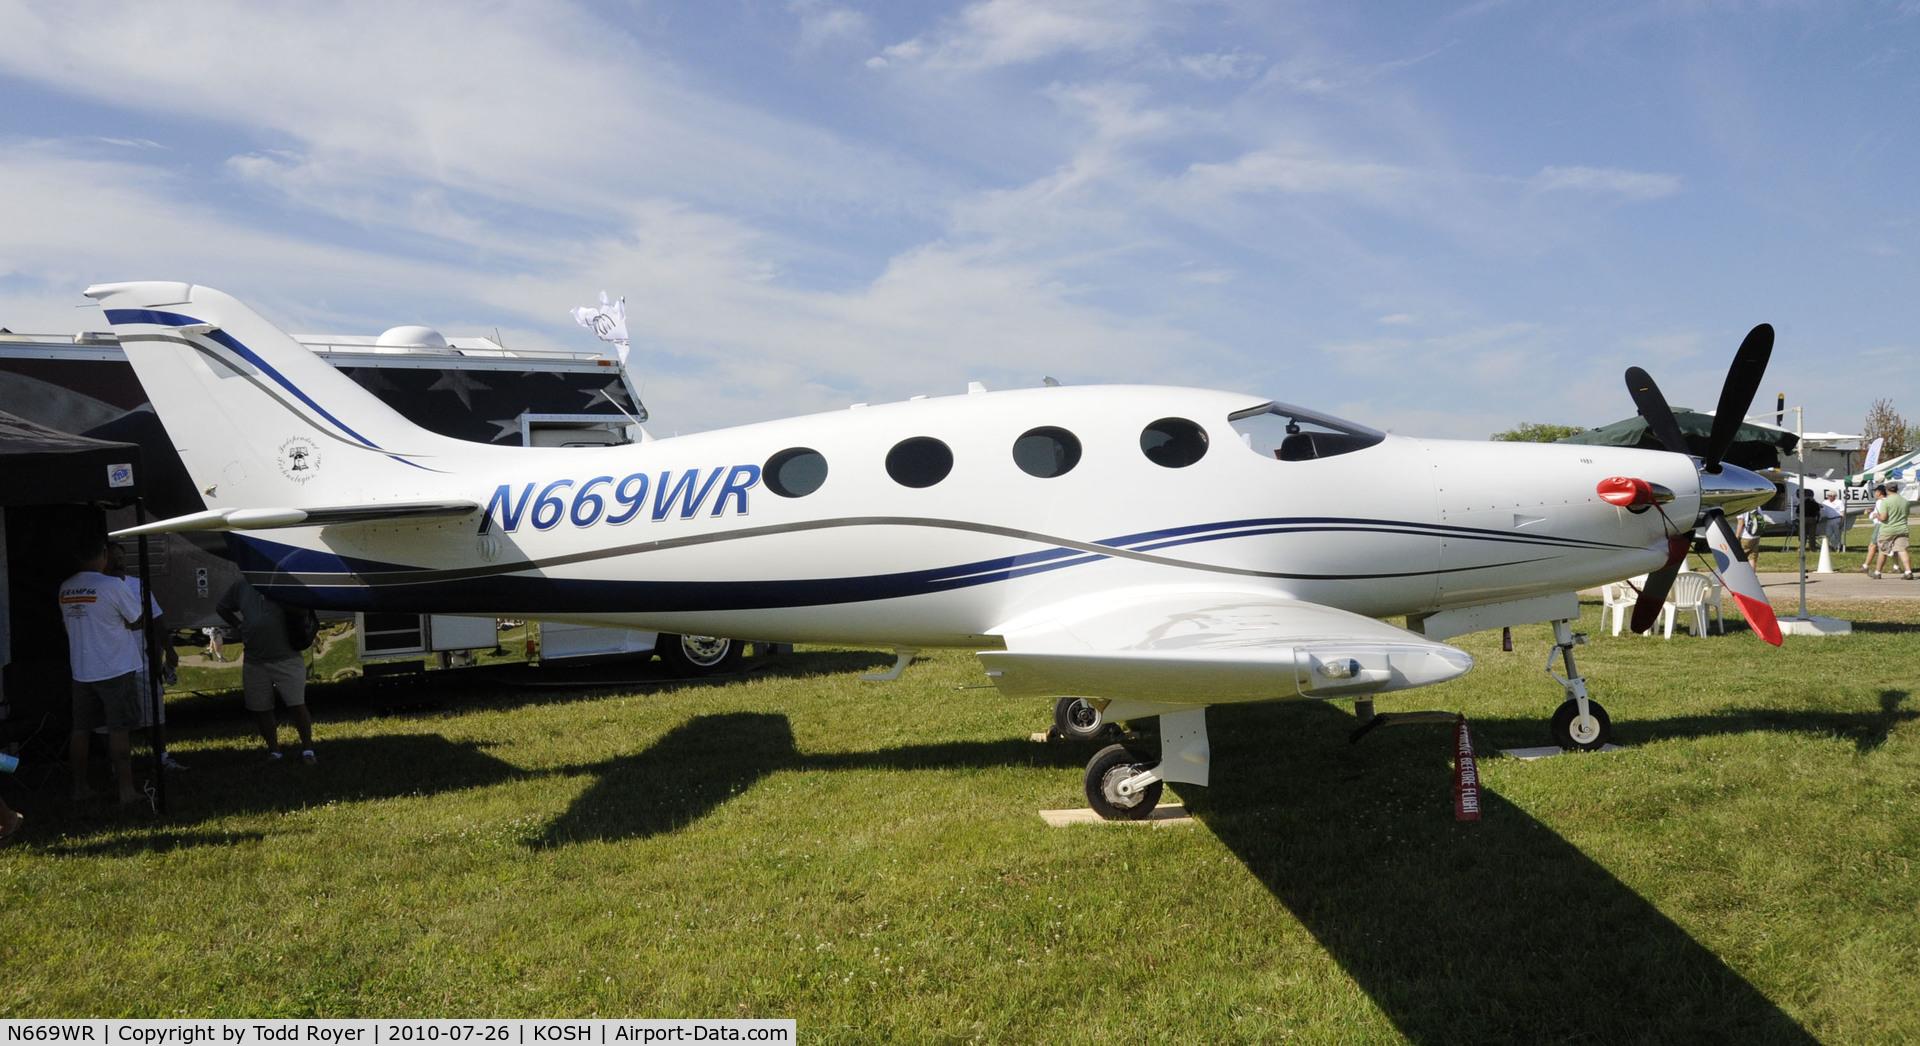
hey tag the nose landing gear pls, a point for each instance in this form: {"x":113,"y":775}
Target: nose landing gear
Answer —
{"x":1579,"y":724}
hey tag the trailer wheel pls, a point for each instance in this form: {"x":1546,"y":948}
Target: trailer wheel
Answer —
{"x":697,"y":655}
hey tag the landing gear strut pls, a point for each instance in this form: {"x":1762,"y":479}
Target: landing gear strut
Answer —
{"x":1123,"y":784}
{"x":1580,"y":724}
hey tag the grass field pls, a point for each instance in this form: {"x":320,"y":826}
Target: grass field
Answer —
{"x":866,"y":858}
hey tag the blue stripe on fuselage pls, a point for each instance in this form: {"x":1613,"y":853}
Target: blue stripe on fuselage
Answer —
{"x":523,"y":590}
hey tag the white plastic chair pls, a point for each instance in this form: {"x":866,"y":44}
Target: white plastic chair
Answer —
{"x":1618,"y":598}
{"x":1693,"y":593}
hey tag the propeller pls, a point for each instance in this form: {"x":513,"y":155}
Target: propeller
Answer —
{"x":1653,"y":407}
{"x":1736,"y":395}
{"x":1653,"y":597}
{"x":1739,"y":577}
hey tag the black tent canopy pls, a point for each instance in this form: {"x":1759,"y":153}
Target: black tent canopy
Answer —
{"x":1753,"y":447}
{"x":51,"y":483}
{"x":44,"y":466}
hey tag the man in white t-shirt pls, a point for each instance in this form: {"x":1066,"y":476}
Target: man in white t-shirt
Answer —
{"x":98,"y":610}
{"x":162,"y":654}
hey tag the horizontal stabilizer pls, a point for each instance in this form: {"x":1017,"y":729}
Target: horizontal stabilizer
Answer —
{"x":316,"y":516}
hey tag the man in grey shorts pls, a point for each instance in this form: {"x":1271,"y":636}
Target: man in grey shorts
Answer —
{"x":268,"y":664}
{"x":98,"y":609}
{"x":1892,"y":515}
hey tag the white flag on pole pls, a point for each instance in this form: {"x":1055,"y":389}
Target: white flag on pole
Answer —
{"x":1873,"y":453}
{"x":608,"y":323}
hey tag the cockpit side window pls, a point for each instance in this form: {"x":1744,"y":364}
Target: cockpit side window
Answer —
{"x":1291,"y":434}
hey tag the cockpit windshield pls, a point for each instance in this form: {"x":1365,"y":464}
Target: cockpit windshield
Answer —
{"x":1291,"y":434}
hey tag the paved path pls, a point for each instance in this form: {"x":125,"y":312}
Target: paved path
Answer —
{"x":1783,"y":589}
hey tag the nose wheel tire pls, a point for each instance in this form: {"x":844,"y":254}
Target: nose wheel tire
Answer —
{"x":1110,"y":766}
{"x":1576,"y":733}
{"x":1077,"y":720}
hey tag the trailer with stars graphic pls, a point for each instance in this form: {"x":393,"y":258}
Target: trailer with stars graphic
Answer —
{"x":470,"y":388}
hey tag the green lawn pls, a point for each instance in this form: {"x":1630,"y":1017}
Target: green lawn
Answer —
{"x":866,"y":858}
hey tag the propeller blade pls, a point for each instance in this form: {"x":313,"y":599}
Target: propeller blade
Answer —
{"x":1646,"y":609}
{"x":1653,"y":407}
{"x":1736,"y":396}
{"x":1740,"y":578}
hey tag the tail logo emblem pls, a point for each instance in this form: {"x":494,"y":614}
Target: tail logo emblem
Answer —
{"x":299,"y":459}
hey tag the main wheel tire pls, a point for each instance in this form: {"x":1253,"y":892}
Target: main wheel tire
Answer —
{"x":1075,"y":719}
{"x":1110,"y":766}
{"x":697,"y":655}
{"x":1574,"y":734}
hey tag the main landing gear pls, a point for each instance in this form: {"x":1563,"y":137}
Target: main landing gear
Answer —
{"x":1580,"y":724}
{"x":1125,"y":784}
{"x":1077,"y":719}
{"x":1122,"y":785}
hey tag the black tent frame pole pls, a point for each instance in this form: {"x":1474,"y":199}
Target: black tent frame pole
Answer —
{"x":156,"y":681}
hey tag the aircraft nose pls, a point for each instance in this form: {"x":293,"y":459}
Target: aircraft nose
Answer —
{"x":1734,"y":490}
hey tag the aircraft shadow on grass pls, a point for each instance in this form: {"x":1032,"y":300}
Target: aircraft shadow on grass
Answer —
{"x":509,"y":686}
{"x":1500,"y":931}
{"x":229,"y":782}
{"x":1496,"y":931}
{"x":709,"y":759}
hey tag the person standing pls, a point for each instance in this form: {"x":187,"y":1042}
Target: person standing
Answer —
{"x":1873,"y":536}
{"x":1833,"y":522}
{"x":268,"y":663}
{"x":1892,"y":514}
{"x":161,"y":655}
{"x":1752,"y":525}
{"x":99,"y":610}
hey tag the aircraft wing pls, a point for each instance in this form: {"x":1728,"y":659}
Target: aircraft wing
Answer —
{"x":1185,"y":646}
{"x":310,"y":516}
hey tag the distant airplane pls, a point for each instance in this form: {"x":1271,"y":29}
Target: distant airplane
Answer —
{"x":1130,"y":550}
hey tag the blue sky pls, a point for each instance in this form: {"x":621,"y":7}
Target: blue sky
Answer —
{"x":1440,"y":219}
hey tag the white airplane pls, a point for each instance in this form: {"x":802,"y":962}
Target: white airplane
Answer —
{"x":1130,"y":550}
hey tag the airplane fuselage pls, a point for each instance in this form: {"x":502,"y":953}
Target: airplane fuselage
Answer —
{"x":691,"y":534}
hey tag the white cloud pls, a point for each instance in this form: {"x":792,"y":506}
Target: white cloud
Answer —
{"x":1017,"y":32}
{"x":722,"y":335}
{"x":1634,"y":185}
{"x":1223,"y":65}
{"x":823,"y":24}
{"x":538,"y":103}
{"x":1288,"y":171}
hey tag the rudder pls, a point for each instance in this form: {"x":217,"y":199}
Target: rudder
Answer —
{"x":259,"y":419}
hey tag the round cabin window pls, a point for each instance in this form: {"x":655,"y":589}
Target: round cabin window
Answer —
{"x":1046,"y":452}
{"x":919,"y":462}
{"x":1173,"y":443}
{"x":795,"y":472}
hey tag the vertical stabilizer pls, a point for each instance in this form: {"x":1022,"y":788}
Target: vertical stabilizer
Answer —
{"x":259,"y":419}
